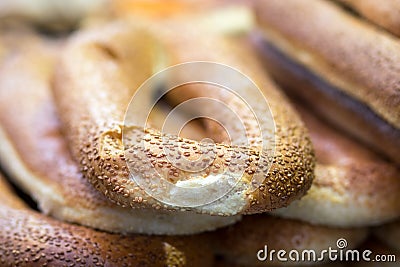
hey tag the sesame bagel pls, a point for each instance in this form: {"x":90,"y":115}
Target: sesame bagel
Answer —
{"x":384,"y":14}
{"x":113,"y":62}
{"x":29,"y":238}
{"x":353,"y":186}
{"x":34,"y":154}
{"x":343,"y":67}
{"x":240,"y":243}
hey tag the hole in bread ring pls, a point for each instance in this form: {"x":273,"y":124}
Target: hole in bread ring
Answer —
{"x":187,"y":173}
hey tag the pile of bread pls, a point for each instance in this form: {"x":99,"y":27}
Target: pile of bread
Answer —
{"x":329,"y":71}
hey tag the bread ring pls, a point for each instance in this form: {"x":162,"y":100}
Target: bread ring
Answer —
{"x":352,"y":187}
{"x":241,"y":242}
{"x":349,"y":73}
{"x":93,"y":123}
{"x":35,"y":155}
{"x":29,"y":238}
{"x":385,"y":14}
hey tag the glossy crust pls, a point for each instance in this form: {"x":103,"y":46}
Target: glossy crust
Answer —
{"x":353,"y":186}
{"x":384,"y":13}
{"x":35,"y":155}
{"x":32,"y":239}
{"x":93,"y":123}
{"x":357,"y":59}
{"x":241,"y":242}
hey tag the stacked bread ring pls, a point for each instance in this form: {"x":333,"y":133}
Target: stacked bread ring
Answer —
{"x":310,"y":178}
{"x":361,"y":90}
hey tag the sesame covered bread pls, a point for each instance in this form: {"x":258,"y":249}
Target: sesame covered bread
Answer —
{"x":29,"y":238}
{"x":34,"y":153}
{"x":348,"y":74}
{"x":92,"y":98}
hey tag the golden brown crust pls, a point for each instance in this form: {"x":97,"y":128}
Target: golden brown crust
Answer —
{"x":357,"y":58}
{"x":105,"y":117}
{"x":93,"y":123}
{"x":384,"y":13}
{"x":241,"y":242}
{"x":324,"y":99}
{"x":292,"y":144}
{"x":32,"y":239}
{"x":327,"y":99}
{"x":34,"y":153}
